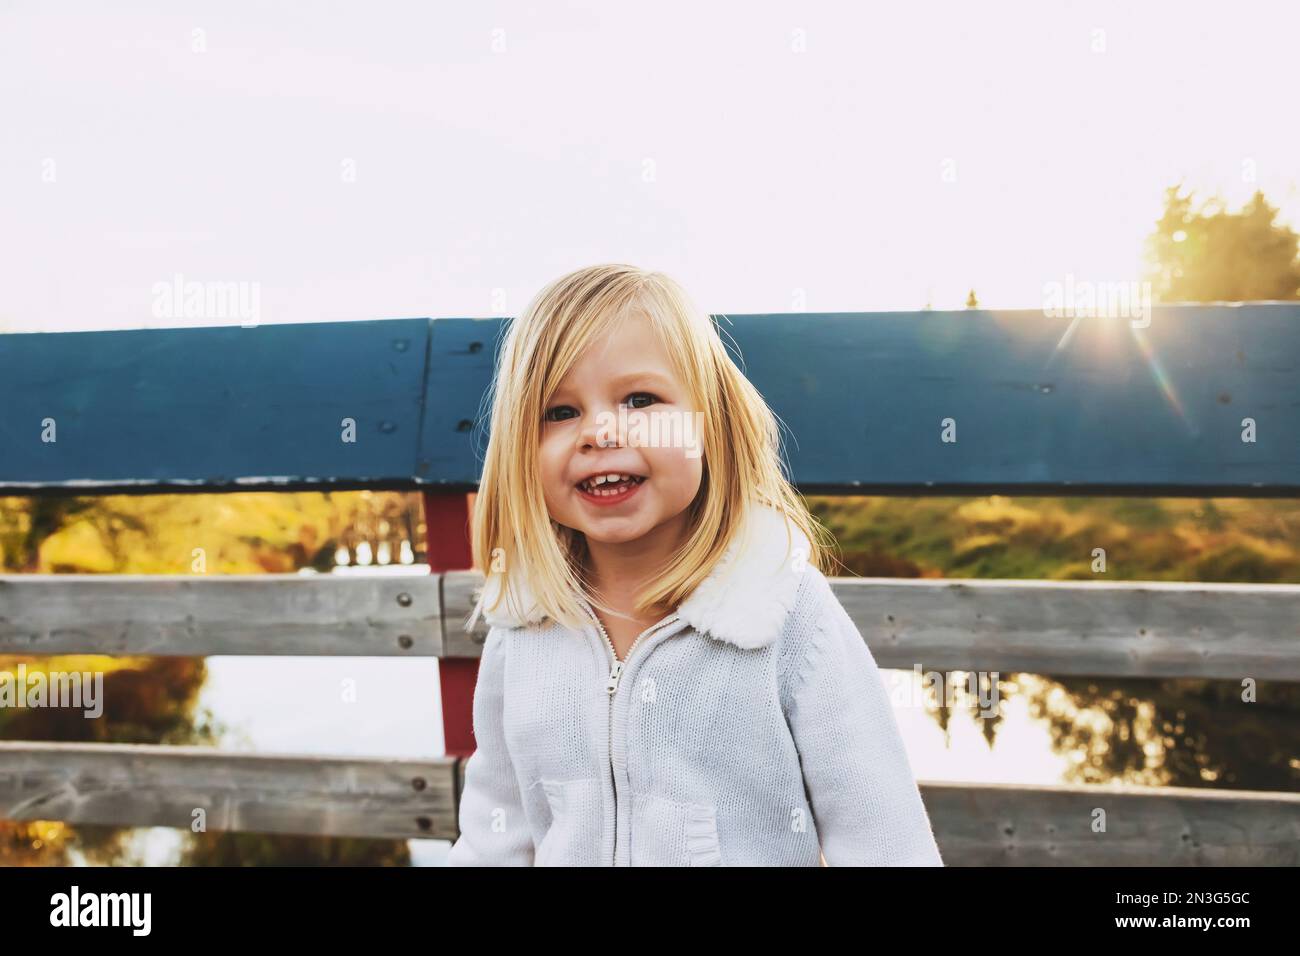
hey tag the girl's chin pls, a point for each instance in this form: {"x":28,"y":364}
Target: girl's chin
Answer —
{"x":610,"y":537}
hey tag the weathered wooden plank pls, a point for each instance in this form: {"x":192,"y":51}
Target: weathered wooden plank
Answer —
{"x":1115,"y":629}
{"x":193,"y":615}
{"x":460,"y":593}
{"x":142,"y":785}
{"x":462,"y":358}
{"x":1118,"y":629}
{"x":1092,"y":628}
{"x":975,"y":824}
{"x":1017,"y":825}
{"x":1040,"y":405}
{"x":212,"y":408}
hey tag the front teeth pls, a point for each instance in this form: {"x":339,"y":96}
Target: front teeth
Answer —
{"x":593,"y":485}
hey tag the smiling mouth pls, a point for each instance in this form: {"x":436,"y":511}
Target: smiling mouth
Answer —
{"x":609,"y":489}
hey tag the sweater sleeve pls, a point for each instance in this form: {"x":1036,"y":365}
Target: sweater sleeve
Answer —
{"x":865,"y":801}
{"x":493,"y":830}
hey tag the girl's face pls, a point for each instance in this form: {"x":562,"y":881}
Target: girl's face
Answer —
{"x":624,"y":374}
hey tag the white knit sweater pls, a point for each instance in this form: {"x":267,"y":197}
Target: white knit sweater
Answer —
{"x":749,"y":727}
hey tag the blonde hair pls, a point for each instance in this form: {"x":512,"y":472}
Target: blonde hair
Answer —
{"x":512,"y":531}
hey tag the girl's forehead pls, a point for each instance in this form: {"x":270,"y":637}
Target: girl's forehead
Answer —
{"x":624,"y":349}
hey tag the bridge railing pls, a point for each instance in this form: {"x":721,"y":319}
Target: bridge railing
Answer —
{"x":1202,"y":401}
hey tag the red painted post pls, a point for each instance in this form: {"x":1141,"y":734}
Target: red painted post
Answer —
{"x":446,"y":541}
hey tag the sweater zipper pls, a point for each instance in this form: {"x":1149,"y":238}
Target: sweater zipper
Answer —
{"x":611,"y":688}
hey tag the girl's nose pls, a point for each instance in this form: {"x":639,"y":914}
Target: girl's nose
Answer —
{"x":599,"y":429}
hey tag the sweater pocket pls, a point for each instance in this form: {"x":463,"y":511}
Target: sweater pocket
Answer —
{"x":573,"y":838}
{"x":667,"y":833}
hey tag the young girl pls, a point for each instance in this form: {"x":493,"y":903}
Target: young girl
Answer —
{"x":668,"y":678}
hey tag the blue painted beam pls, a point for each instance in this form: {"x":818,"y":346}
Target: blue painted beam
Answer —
{"x":1038,"y":405}
{"x":214,"y":408}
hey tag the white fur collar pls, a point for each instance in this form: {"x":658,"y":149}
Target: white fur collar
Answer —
{"x":745,"y":598}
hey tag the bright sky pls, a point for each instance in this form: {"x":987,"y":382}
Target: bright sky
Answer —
{"x":361,"y":160}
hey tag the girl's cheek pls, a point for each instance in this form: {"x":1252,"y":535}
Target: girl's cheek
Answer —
{"x":672,"y":467}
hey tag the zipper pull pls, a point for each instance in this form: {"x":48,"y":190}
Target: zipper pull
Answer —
{"x":615,"y":673}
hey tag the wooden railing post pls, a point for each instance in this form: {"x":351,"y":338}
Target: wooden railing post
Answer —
{"x":446,"y":523}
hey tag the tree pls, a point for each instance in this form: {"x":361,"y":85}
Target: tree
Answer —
{"x":1204,"y":253}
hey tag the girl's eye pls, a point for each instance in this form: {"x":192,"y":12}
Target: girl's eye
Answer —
{"x":553,"y":414}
